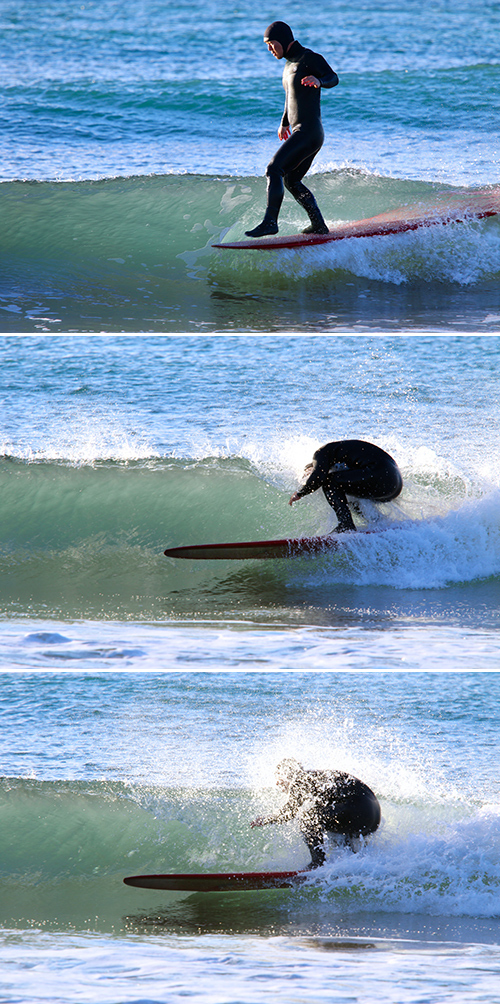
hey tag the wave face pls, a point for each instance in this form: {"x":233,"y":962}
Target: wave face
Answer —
{"x":89,"y":541}
{"x":134,"y":254}
{"x":131,"y":775}
{"x":115,"y":180}
{"x":67,"y":845}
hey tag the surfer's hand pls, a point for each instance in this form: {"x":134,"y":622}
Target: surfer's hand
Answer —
{"x":295,"y":498}
{"x":257,"y":822}
{"x":284,"y":132}
{"x":310,"y":82}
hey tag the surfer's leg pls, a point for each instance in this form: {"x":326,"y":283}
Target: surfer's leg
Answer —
{"x":288,"y":166}
{"x":313,"y":833}
{"x":293,"y":182}
{"x":317,"y":853}
{"x":305,"y":198}
{"x":380,"y":483}
{"x":336,"y":497}
{"x":275,"y":191}
{"x":317,"y":224}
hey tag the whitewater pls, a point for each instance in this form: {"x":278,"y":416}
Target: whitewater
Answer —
{"x":146,"y":701}
{"x":156,"y":391}
{"x":131,"y":142}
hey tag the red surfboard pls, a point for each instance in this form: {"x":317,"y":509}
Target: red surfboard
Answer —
{"x":294,"y":547}
{"x":223,"y":882}
{"x":447,"y":207}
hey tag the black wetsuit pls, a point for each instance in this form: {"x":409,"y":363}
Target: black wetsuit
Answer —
{"x":356,"y":468}
{"x":329,"y":802}
{"x":303,"y":116}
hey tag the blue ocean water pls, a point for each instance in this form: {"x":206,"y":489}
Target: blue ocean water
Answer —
{"x":134,"y":136}
{"x":145,"y":702}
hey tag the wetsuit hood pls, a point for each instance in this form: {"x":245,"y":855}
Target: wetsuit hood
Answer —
{"x":280,"y":32}
{"x":288,"y":770}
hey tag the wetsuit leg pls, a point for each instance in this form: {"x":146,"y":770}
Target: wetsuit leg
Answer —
{"x":336,"y":497}
{"x":305,"y":198}
{"x":313,"y":831}
{"x":288,"y":166}
{"x":353,"y":817}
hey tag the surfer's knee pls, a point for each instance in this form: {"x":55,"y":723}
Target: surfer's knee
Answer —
{"x":296,"y":188}
{"x":274,"y":172}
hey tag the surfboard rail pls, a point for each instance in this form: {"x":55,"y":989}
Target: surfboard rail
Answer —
{"x":218,"y":882}
{"x":447,"y":207}
{"x":291,"y":547}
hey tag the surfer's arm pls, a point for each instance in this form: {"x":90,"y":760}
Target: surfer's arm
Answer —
{"x":287,"y":812}
{"x":267,"y":820}
{"x":323,"y":73}
{"x":329,"y":80}
{"x":315,"y":480}
{"x":284,"y":127}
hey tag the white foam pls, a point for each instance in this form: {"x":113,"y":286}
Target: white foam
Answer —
{"x":463,"y":253}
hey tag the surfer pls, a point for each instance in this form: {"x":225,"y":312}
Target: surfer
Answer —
{"x":324,"y":802}
{"x":351,"y":467}
{"x":301,"y":130}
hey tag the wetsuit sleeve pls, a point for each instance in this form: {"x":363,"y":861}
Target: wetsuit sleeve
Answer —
{"x":288,"y":810}
{"x":329,"y":78}
{"x":283,"y":816}
{"x":323,"y":71}
{"x":321,"y":466}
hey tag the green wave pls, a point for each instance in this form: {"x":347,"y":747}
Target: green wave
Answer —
{"x":65,"y":847}
{"x":135,"y":254}
{"x":88,"y":541}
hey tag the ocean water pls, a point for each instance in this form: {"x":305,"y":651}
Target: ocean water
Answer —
{"x":135,"y":136}
{"x":157,"y":392}
{"x":146,"y":701}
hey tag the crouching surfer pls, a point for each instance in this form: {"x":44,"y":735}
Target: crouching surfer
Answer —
{"x":324,"y":802}
{"x":351,"y":467}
